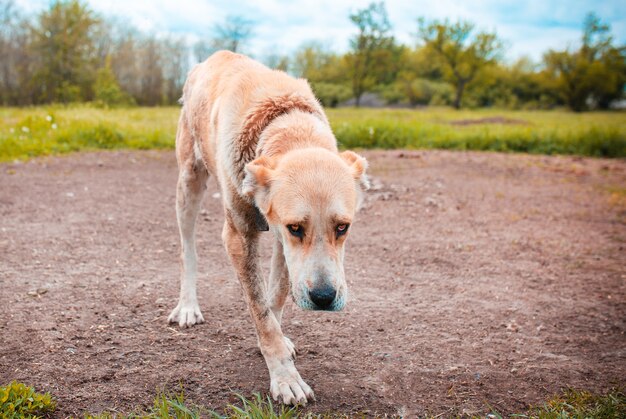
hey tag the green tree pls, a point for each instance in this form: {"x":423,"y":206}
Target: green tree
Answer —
{"x":593,"y":76}
{"x":462,"y":52}
{"x":371,"y":49}
{"x":107,"y":91}
{"x":316,"y":63}
{"x":63,"y":42}
{"x":527,"y":85}
{"x":277,"y":61}
{"x":417,"y":79}
{"x":325,"y":70}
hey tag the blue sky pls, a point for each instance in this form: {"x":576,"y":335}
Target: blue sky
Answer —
{"x":527,"y":27}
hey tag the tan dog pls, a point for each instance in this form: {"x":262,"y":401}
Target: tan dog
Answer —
{"x":266,"y":139}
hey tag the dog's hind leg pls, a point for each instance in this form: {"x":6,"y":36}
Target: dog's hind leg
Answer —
{"x":278,"y":288}
{"x":192,"y":179}
{"x":242,"y":248}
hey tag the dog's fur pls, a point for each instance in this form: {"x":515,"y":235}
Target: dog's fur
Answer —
{"x":266,"y":139}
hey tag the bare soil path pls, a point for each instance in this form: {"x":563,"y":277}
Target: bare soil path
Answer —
{"x":477,"y":280}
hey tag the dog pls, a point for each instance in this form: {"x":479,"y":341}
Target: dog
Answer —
{"x":266,"y":139}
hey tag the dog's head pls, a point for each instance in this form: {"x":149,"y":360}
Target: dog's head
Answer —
{"x":309,"y":198}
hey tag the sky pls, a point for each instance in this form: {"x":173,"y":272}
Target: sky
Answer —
{"x":528,"y":28}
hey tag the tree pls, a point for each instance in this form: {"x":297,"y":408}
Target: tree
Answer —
{"x":16,"y":62}
{"x":276,"y":61}
{"x":462,"y":53}
{"x":176,"y":57}
{"x":64,"y":44}
{"x":107,"y":91}
{"x":202,"y":50}
{"x":593,"y":76}
{"x":325,"y":70}
{"x":233,"y":33}
{"x":315,"y":62}
{"x":151,"y":78}
{"x":369,"y":47}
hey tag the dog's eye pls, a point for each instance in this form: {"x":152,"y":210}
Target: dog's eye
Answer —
{"x":296,"y":230}
{"x":341,"y":229}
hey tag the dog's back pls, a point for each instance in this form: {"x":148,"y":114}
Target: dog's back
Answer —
{"x":236,"y":83}
{"x":227,"y":100}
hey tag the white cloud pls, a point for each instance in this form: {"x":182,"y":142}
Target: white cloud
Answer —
{"x":529,"y":27}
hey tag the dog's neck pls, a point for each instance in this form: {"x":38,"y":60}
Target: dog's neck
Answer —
{"x":295,"y":130}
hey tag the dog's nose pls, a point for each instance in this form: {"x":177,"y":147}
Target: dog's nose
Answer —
{"x":323,"y":296}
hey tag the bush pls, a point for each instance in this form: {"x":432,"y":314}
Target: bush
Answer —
{"x":17,"y":400}
{"x":418,"y":91}
{"x":393,"y":94}
{"x":331,"y":94}
{"x":107,"y":91}
{"x":68,"y":93}
{"x":425,"y":92}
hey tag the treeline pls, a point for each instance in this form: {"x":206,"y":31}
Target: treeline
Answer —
{"x":454,"y":64}
{"x":68,"y":53}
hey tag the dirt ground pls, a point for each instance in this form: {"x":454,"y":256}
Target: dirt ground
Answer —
{"x":478,"y":281}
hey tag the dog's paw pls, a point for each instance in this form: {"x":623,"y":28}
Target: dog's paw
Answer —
{"x":288,"y":387}
{"x":290,"y":346}
{"x":186,"y":315}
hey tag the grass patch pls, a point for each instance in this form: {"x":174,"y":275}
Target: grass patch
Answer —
{"x":576,"y":404}
{"x":259,"y":408}
{"x":601,"y":134}
{"x":30,"y":132}
{"x":166,"y":406}
{"x":17,"y":400}
{"x":583,"y":404}
{"x":20,"y":401}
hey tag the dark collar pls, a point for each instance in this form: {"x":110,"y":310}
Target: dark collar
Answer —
{"x":259,"y":220}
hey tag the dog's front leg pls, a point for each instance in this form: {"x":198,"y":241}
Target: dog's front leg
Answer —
{"x":278,"y":288}
{"x":286,"y":383}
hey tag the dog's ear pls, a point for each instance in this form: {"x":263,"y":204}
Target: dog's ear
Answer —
{"x":258,"y":175}
{"x":358,"y":166}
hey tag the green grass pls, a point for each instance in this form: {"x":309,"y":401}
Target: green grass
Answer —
{"x":580,"y":405}
{"x":167,"y":406}
{"x":20,"y":401}
{"x":30,"y":132}
{"x":539,"y":132}
{"x":17,"y":400}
